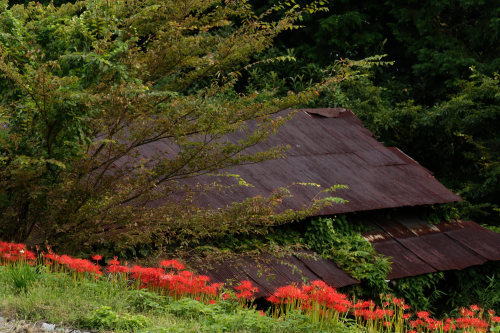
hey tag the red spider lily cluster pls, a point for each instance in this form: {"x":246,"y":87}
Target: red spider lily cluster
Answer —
{"x":11,"y":253}
{"x":245,"y":290}
{"x":317,"y":300}
{"x":324,"y":303}
{"x":473,"y":319}
{"x":75,"y":265}
{"x":176,"y":281}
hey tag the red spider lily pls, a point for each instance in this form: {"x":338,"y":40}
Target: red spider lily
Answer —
{"x":474,"y":307}
{"x":422,"y":314}
{"x":416,"y":323}
{"x":466,"y":322}
{"x":289,"y":294}
{"x":96,"y":257}
{"x":364,"y":305}
{"x":173,"y":264}
{"x":13,"y":252}
{"x":114,"y":261}
{"x":118,"y":269}
{"x":51,"y":256}
{"x":406,"y":315}
{"x":245,"y":290}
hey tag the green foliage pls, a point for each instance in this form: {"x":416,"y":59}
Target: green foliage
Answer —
{"x":22,"y":276}
{"x":187,"y":307}
{"x":104,"y":317}
{"x":421,"y":291}
{"x":225,"y":316}
{"x":433,"y":43}
{"x":475,"y":285}
{"x":142,"y":301}
{"x":339,"y":240}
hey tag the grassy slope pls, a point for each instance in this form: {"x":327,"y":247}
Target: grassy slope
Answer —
{"x":101,"y":305}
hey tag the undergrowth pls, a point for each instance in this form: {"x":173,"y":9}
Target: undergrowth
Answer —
{"x":109,"y":304}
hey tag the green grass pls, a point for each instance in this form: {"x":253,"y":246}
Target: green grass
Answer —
{"x":33,"y":294}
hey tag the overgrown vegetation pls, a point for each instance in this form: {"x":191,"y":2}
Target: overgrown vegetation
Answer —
{"x":74,"y":291}
{"x":85,"y":85}
{"x":338,"y":240}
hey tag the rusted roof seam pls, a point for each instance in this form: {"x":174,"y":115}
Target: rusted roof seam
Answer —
{"x":397,"y":240}
{"x":464,"y":246}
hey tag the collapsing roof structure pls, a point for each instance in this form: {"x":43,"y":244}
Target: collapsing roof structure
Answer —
{"x":328,"y":147}
{"x":331,"y":146}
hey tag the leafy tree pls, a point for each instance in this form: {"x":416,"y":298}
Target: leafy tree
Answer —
{"x":433,"y":43}
{"x":86,"y":85}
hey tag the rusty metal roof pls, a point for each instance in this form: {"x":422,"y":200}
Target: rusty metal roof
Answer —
{"x":415,"y":246}
{"x":269,"y":273}
{"x":418,"y":247}
{"x":328,"y":147}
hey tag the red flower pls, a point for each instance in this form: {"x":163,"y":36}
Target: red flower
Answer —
{"x":474,"y":307}
{"x":96,"y":257}
{"x":422,"y":314}
{"x":118,"y":269}
{"x":114,"y":261}
{"x":172,"y":263}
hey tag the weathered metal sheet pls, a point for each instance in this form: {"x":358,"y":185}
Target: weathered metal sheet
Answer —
{"x":327,"y":150}
{"x":441,"y":252}
{"x":404,"y":262}
{"x":482,"y":241}
{"x":327,"y":270}
{"x":444,"y":246}
{"x":269,"y":273}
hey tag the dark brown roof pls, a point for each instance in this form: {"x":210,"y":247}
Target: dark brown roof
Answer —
{"x":269,"y":273}
{"x":418,"y":247}
{"x":334,"y":148}
{"x":328,"y":147}
{"x":415,"y":246}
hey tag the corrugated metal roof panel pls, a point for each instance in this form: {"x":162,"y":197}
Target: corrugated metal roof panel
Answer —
{"x":327,"y":270}
{"x":482,"y":241}
{"x":269,"y":273}
{"x":441,"y":252}
{"x":445,"y":246}
{"x":327,"y":151}
{"x":404,"y":262}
